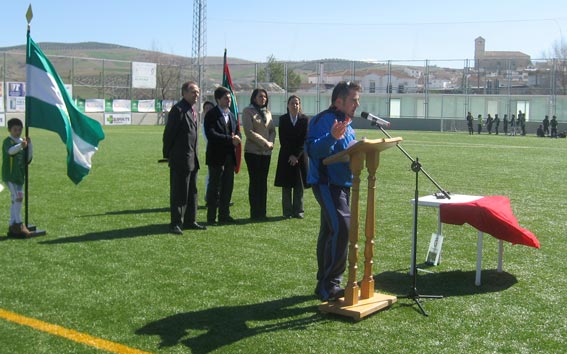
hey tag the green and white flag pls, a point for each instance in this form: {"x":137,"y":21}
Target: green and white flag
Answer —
{"x":49,"y":106}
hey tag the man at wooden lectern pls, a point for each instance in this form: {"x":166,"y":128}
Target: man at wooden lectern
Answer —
{"x":330,"y":133}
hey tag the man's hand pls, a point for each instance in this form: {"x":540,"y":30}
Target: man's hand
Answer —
{"x":339,"y":128}
{"x":236,"y":140}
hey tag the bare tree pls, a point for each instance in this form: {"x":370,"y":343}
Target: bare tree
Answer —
{"x":168,"y":73}
{"x":559,"y":55}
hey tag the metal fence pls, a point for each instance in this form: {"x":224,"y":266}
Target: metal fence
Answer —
{"x":445,"y":89}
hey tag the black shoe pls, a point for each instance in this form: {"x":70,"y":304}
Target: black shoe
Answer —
{"x":196,"y":226}
{"x":211,"y":222}
{"x":227,"y":220}
{"x":336,"y":293}
{"x":175,"y":230}
{"x":298,"y":216}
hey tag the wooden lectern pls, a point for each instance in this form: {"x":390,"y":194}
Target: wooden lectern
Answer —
{"x":361,"y":302}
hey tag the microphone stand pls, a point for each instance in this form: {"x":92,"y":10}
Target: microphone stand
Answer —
{"x":416,"y":167}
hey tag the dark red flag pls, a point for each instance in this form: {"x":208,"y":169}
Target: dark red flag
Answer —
{"x":227,"y":82}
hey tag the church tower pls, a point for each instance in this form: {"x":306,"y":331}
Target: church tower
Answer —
{"x":479,"y":48}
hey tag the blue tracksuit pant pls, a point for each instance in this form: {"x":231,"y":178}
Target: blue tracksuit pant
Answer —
{"x":332,"y":245}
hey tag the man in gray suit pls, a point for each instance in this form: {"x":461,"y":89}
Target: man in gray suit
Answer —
{"x":180,"y":148}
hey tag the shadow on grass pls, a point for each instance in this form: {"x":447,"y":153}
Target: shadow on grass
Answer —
{"x":129,"y":212}
{"x":452,"y":283}
{"x":146,"y":230}
{"x":208,"y":330}
{"x":267,"y":219}
{"x":246,"y":221}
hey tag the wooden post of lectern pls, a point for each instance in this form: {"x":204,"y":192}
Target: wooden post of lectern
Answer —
{"x":363,"y":301}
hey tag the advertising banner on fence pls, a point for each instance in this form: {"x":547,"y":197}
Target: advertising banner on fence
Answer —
{"x":144,"y":106}
{"x":144,"y":75}
{"x":2,"y":120}
{"x":69,"y":89}
{"x":1,"y":97}
{"x":80,"y":103}
{"x":94,"y":105}
{"x":166,"y":105}
{"x":121,"y":105}
{"x":16,"y":96}
{"x":117,"y":118}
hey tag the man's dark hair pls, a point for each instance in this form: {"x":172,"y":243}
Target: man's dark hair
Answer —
{"x":343,"y":89}
{"x":220,"y":92}
{"x":15,"y":122}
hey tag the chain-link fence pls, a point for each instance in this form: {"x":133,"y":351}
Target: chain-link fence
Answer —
{"x":441,"y":89}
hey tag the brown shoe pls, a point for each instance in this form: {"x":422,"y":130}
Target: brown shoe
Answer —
{"x":24,"y":231}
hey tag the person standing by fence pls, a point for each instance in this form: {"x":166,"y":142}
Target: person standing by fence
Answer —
{"x":553,"y":124}
{"x":470,"y":120}
{"x":513,"y":125}
{"x":546,"y":125}
{"x":496,"y":123}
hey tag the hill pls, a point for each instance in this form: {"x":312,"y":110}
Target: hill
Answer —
{"x":110,"y":51}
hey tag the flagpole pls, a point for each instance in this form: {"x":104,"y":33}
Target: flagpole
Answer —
{"x":31,"y":228}
{"x":29,"y":16}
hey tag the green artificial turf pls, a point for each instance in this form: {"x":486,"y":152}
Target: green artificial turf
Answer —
{"x":108,"y":268}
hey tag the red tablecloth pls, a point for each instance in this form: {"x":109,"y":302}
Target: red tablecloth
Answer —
{"x":492,"y":215}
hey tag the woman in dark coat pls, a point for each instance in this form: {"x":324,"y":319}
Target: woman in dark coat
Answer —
{"x":291,"y":172}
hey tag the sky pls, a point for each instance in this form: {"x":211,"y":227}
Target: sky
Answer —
{"x":298,"y":30}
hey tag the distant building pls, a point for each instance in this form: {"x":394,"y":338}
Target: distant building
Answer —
{"x":496,"y":61}
{"x":374,"y":80}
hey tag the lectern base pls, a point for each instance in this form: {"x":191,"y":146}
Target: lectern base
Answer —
{"x":363,"y":308}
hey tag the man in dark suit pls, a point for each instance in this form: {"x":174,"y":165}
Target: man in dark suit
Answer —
{"x":180,"y":148}
{"x":223,"y":137}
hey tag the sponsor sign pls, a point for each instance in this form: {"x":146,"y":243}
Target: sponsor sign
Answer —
{"x":117,"y":119}
{"x":144,"y":75}
{"x":16,"y":96}
{"x":94,"y":105}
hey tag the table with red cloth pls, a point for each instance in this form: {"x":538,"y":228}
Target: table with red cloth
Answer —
{"x":492,"y":215}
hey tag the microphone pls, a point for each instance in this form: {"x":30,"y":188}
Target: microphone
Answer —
{"x":375,"y":119}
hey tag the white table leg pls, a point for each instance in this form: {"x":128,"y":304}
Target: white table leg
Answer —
{"x":439,"y":229}
{"x":500,"y":255}
{"x":478,"y":258}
